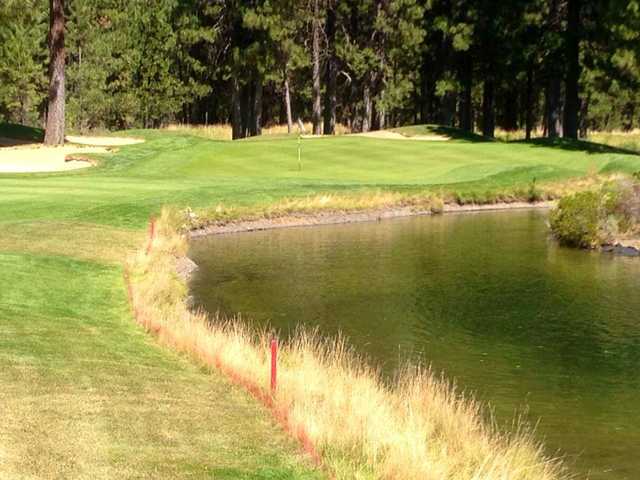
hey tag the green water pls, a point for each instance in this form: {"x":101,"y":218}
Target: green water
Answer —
{"x":488,"y":298}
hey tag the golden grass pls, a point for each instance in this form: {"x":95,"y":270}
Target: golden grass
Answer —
{"x":313,"y":205}
{"x":381,"y":201}
{"x":629,"y":140}
{"x":222,"y":131}
{"x":419,"y":427}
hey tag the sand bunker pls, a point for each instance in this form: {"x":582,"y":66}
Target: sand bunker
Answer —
{"x":23,"y":157}
{"x":37,"y":158}
{"x":389,"y":135}
{"x":103,"y":141}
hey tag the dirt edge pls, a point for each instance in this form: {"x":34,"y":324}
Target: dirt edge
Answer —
{"x":332,"y":217}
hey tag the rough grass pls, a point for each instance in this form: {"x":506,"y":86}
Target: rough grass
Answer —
{"x":419,"y":427}
{"x":222,"y":131}
{"x":629,"y":140}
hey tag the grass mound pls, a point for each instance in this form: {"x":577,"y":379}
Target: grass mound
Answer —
{"x":21,"y":132}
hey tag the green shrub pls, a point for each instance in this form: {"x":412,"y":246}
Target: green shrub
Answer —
{"x":533,"y":193}
{"x":576,"y":219}
{"x":591,"y":219}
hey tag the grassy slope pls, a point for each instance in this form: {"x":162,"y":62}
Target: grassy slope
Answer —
{"x":85,"y":392}
{"x":20,"y":132}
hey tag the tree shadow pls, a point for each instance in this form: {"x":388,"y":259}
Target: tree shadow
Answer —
{"x":12,"y":134}
{"x":451,"y":133}
{"x":576,"y":146}
{"x":457,"y":134}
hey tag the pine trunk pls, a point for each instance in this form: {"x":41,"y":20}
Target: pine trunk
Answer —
{"x":528,"y":119}
{"x":554,"y":107}
{"x":316,"y":118}
{"x":466,"y":116}
{"x":287,"y":103}
{"x":236,"y":109}
{"x":555,"y":62}
{"x":54,"y":130}
{"x":256,"y":108}
{"x":381,"y":115}
{"x":584,"y":116}
{"x":330,"y":75}
{"x":488,"y":109}
{"x":572,"y":102}
{"x":368,"y":107}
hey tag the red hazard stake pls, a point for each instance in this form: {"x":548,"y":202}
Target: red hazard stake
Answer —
{"x":152,"y":233}
{"x":274,"y":365}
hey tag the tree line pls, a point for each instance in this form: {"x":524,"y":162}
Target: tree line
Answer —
{"x":559,"y":66}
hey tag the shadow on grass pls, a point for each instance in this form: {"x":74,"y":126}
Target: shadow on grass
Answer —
{"x":576,"y":145}
{"x":445,"y":131}
{"x":12,"y":134}
{"x":457,"y":134}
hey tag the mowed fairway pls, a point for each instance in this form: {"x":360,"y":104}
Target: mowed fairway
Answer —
{"x":84,"y":393}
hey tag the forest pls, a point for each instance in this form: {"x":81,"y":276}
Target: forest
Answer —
{"x":547,"y":67}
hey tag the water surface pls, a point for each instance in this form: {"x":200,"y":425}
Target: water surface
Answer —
{"x":487,"y":298}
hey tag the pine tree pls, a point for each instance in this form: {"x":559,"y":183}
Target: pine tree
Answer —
{"x":54,"y":130}
{"x":22,"y":60}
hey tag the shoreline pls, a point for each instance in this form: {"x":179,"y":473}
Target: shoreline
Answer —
{"x":336,"y":218}
{"x":322,"y":382}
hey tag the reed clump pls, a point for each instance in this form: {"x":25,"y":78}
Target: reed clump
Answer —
{"x":351,"y":421}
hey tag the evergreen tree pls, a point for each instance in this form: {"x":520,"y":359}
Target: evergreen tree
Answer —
{"x":22,"y":60}
{"x":568,"y":65}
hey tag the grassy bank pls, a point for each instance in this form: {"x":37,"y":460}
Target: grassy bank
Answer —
{"x":419,"y":427}
{"x":85,"y":392}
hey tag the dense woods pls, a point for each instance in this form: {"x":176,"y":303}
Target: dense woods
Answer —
{"x":561,"y":67}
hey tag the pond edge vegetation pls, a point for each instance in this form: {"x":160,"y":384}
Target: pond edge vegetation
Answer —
{"x":374,"y":205}
{"x":348,"y":420}
{"x":606,"y":218}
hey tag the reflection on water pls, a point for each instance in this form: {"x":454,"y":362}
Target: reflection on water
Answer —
{"x":487,"y":298}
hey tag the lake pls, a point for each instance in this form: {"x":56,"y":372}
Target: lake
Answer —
{"x":532,"y":329}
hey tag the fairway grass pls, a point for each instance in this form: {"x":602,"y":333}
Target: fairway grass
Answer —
{"x":84,"y":392}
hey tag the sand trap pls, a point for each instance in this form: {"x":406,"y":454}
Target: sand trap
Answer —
{"x":103,"y":141}
{"x":37,"y":158}
{"x":389,"y":135}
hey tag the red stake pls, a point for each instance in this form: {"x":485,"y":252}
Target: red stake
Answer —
{"x":152,"y":233}
{"x":274,"y":364}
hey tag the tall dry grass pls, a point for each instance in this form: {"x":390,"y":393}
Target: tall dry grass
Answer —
{"x":358,"y":427}
{"x":222,"y":131}
{"x":434,"y":201}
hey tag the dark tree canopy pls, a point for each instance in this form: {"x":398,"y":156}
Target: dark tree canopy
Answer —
{"x":560,"y":67}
